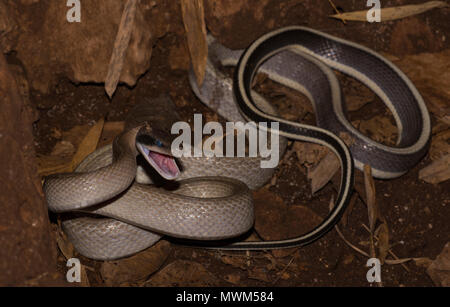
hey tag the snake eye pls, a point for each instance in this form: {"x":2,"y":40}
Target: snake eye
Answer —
{"x":159,"y":143}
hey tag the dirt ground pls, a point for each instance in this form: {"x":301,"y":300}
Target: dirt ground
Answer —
{"x":416,"y":212}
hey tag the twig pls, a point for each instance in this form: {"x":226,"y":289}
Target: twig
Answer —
{"x":331,"y":205}
{"x":357,"y":249}
{"x":350,"y":244}
{"x":337,"y":11}
{"x":282,"y":271}
{"x":120,"y":47}
{"x":390,"y":251}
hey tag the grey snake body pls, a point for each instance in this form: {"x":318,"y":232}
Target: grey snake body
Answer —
{"x":297,"y":57}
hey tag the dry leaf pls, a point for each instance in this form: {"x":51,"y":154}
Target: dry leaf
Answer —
{"x":273,"y":261}
{"x":380,"y":129}
{"x":423,"y":262}
{"x":349,"y":210}
{"x":323,"y":172}
{"x":348,"y":259}
{"x":88,"y":145}
{"x":328,"y":166}
{"x":63,"y":149}
{"x":120,"y":47}
{"x":357,"y":95}
{"x":436,"y":172}
{"x":440,"y":145}
{"x":48,"y":165}
{"x":392,"y":13}
{"x":194,"y":24}
{"x":64,"y":245}
{"x":110,"y":131}
{"x":137,"y":267}
{"x":430,"y":72}
{"x":371,"y":203}
{"x":439,"y":270}
{"x":84,"y":277}
{"x":233,"y":278}
{"x":370,"y":197}
{"x":445,"y":119}
{"x":309,"y":153}
{"x":181,"y":273}
{"x":258,"y":274}
{"x":235,"y":261}
{"x":383,"y":241}
{"x":440,"y":126}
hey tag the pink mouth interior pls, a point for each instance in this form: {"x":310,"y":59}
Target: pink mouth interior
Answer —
{"x":166,"y":164}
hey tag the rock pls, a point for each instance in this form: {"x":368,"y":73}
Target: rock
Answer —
{"x":28,"y":251}
{"x":8,"y":26}
{"x":227,"y":19}
{"x":274,"y":220}
{"x":82,"y":50}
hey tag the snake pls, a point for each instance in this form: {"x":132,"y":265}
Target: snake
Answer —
{"x":212,"y":201}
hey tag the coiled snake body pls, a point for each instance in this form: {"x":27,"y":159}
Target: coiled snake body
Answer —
{"x":215,"y":202}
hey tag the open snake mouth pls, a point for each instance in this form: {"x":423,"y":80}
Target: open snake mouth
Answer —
{"x":164,"y":164}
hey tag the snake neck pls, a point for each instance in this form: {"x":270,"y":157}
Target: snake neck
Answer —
{"x":125,"y":144}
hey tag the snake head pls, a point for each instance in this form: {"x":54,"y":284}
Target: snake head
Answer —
{"x":155,"y":146}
